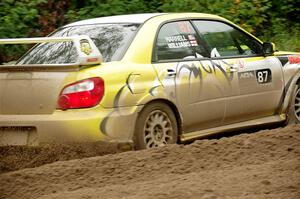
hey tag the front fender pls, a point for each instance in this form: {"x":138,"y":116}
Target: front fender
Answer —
{"x":289,"y":90}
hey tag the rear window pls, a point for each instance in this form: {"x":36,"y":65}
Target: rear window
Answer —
{"x":112,"y":41}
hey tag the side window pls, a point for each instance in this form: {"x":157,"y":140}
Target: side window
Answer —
{"x":224,"y":40}
{"x":178,"y":40}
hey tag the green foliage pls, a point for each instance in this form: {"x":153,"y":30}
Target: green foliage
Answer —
{"x":284,"y":34}
{"x":251,"y":15}
{"x":102,"y":8}
{"x":17,"y":19}
{"x":272,"y":20}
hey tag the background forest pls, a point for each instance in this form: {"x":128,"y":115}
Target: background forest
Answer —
{"x":277,"y":21}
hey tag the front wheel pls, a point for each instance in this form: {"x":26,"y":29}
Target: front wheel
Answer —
{"x":294,"y":110}
{"x":156,"y":126}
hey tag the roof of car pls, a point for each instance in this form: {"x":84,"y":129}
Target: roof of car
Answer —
{"x":141,"y":18}
{"x":132,"y":18}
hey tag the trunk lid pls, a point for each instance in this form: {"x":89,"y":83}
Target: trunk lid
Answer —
{"x":25,"y":91}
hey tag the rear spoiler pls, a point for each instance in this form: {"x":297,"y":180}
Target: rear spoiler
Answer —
{"x":88,"y":53}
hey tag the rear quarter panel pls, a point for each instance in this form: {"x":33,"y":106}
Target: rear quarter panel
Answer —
{"x":126,"y":84}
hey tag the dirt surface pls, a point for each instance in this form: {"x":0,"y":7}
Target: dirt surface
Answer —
{"x":20,"y":157}
{"x":265,"y":164}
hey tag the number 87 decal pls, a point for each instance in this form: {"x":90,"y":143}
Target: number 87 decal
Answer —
{"x":263,"y":76}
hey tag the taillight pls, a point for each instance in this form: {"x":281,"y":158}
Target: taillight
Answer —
{"x":82,"y":94}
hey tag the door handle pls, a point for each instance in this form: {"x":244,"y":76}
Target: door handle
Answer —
{"x":233,"y":69}
{"x":171,"y":72}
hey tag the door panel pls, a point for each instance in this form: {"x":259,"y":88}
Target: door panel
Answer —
{"x":200,"y":92}
{"x":259,"y":79}
{"x":260,"y":89}
{"x":200,"y":88}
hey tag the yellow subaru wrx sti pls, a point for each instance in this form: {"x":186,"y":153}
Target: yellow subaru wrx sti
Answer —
{"x":146,"y":79}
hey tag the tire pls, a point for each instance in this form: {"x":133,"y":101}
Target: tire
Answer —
{"x":156,"y":126}
{"x":293,"y":113}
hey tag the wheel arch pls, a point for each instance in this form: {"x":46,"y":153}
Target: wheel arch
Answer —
{"x":173,"y":108}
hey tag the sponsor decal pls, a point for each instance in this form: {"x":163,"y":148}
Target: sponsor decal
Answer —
{"x":192,"y":40}
{"x":294,"y":59}
{"x":246,"y":75}
{"x":178,"y":41}
{"x":85,"y":47}
{"x":177,"y":38}
{"x":240,"y":63}
{"x":191,"y":37}
{"x":92,"y":59}
{"x":262,"y":76}
{"x":184,"y":27}
{"x":181,"y":41}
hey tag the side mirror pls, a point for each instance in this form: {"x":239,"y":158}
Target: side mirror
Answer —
{"x":268,"y":48}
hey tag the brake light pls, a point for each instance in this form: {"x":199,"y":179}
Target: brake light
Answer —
{"x":82,"y":94}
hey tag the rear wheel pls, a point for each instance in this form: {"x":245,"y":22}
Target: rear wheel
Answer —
{"x":294,"y":110}
{"x":156,"y":126}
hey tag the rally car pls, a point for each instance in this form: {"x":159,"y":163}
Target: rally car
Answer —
{"x":145,"y":79}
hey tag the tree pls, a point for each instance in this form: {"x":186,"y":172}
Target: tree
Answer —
{"x":273,"y":20}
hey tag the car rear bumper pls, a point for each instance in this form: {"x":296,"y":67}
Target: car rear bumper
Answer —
{"x":96,"y":124}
